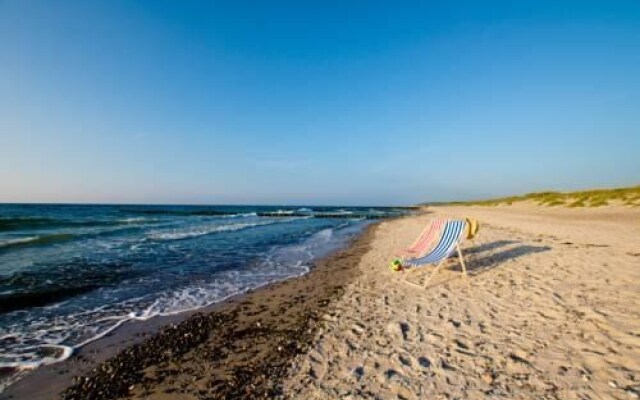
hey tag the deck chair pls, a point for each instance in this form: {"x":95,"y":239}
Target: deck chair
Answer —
{"x":452,"y":235}
{"x":423,"y":243}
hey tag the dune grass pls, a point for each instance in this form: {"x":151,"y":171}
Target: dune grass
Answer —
{"x":629,"y":196}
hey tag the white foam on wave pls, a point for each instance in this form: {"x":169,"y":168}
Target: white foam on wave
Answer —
{"x":278,"y":264}
{"x":177,"y":234}
{"x":227,"y":284}
{"x":22,"y":240}
{"x":24,"y":366}
{"x":343,"y":211}
{"x":242,"y":215}
{"x":133,"y":220}
{"x":283,"y":212}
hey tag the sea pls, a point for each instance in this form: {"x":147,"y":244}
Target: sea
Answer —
{"x":70,"y":274}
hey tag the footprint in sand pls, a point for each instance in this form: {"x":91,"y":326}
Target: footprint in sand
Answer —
{"x":391,"y":374}
{"x":357,"y":328}
{"x":404,"y":360}
{"x":358,"y":372}
{"x":400,"y":331}
{"x":461,"y":344}
{"x":318,"y":365}
{"x":424,"y":362}
{"x":404,"y":329}
{"x":455,"y":323}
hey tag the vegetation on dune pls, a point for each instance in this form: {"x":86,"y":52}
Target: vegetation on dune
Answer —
{"x":577,"y":203}
{"x":629,"y":196}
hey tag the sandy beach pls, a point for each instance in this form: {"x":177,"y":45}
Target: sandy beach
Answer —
{"x":551,"y":309}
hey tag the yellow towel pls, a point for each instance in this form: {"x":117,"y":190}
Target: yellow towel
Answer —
{"x":473,"y":226}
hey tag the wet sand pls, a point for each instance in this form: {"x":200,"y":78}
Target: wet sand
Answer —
{"x":240,"y":348}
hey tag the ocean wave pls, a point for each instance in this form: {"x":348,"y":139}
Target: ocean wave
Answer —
{"x":241,"y":215}
{"x":136,"y":220}
{"x":26,"y":223}
{"x":56,"y":353}
{"x":18,"y":241}
{"x":180,"y":212}
{"x":36,"y":240}
{"x":202,"y":231}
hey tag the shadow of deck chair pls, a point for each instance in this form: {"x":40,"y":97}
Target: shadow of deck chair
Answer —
{"x":450,"y":239}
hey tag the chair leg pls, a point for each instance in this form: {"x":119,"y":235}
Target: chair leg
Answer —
{"x":434,"y":272}
{"x":405,"y":276}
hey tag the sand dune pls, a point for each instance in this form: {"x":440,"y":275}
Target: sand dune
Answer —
{"x":551,"y":310}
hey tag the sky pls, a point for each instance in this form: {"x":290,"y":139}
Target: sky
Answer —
{"x":305,"y":102}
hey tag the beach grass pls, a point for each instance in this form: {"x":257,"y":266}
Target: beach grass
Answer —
{"x":629,"y":196}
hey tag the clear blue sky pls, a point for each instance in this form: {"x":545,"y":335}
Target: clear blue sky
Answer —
{"x":315,"y":102}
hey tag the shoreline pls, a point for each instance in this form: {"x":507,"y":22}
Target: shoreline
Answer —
{"x":549,"y":310}
{"x":272,"y":323}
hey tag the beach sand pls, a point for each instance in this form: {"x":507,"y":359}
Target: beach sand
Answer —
{"x":551,"y":309}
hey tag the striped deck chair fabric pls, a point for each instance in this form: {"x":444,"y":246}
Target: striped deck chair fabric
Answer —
{"x":421,"y":245}
{"x":448,"y":241}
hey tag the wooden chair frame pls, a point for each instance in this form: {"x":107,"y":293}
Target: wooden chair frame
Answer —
{"x":439,"y":265}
